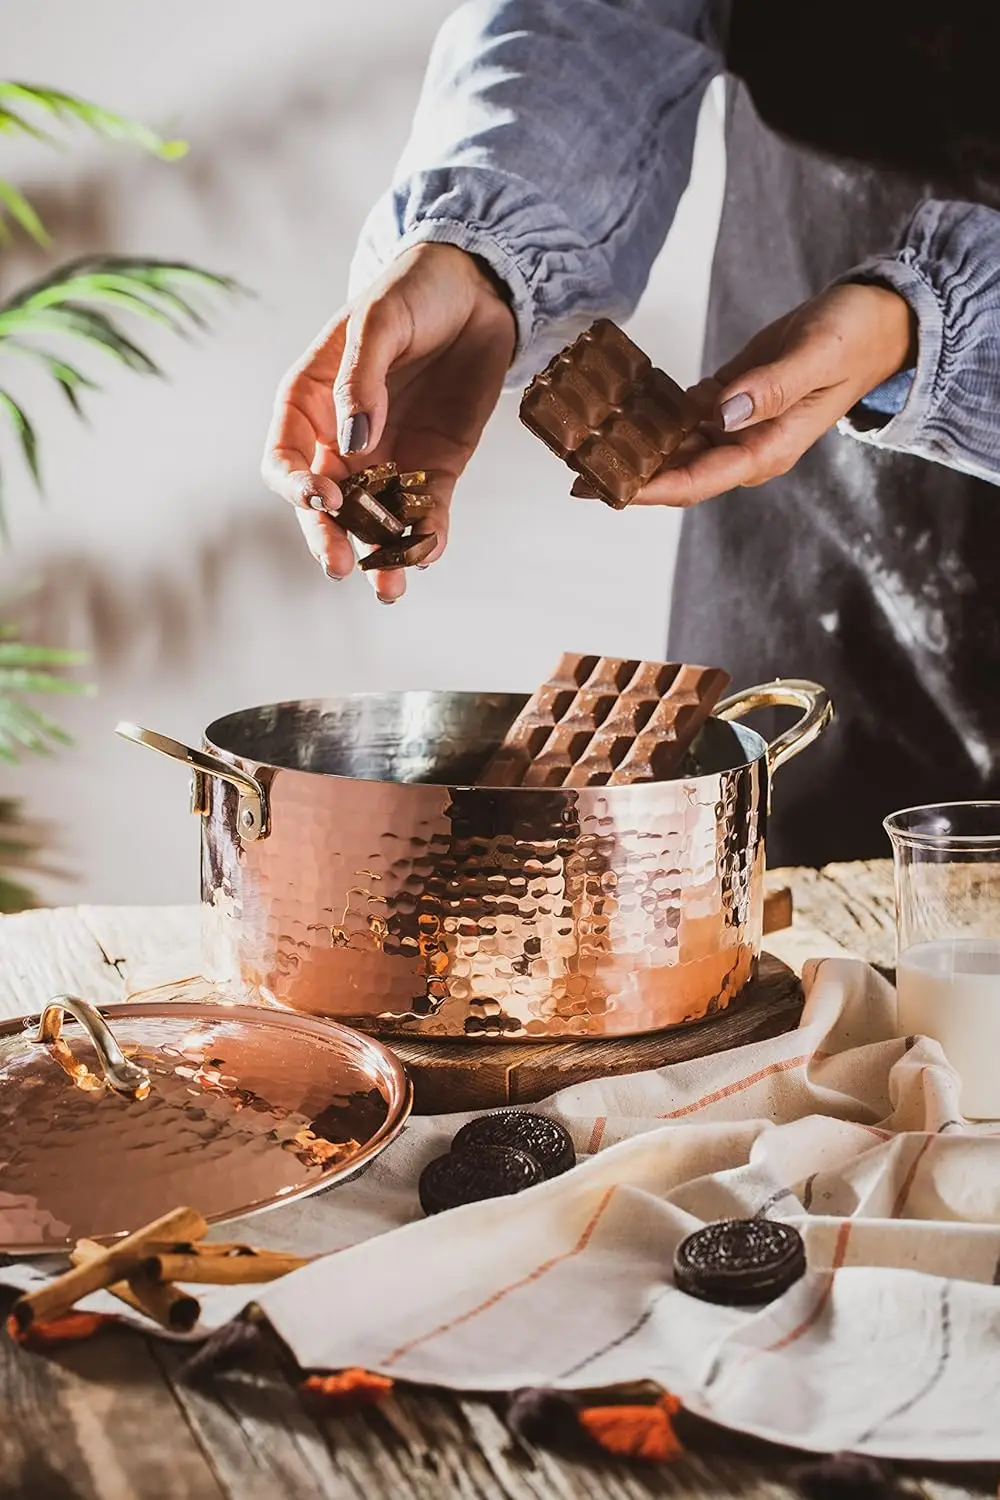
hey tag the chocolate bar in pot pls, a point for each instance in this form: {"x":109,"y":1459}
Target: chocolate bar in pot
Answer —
{"x":602,"y":720}
{"x":608,"y":412}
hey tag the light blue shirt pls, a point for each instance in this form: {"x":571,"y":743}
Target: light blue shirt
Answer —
{"x":554,"y":139}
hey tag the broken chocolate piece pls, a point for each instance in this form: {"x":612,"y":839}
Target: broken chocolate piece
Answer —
{"x":404,"y":554}
{"x":366,"y":517}
{"x":610,"y":414}
{"x":379,"y":507}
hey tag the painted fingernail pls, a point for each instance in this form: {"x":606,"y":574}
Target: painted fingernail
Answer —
{"x":354,"y":433}
{"x":736,"y":411}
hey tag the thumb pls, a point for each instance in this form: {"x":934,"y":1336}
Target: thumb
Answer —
{"x":764,"y":392}
{"x":376,"y":335}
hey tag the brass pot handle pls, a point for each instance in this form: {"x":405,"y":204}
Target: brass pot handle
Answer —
{"x":785,"y":692}
{"x":252,"y":815}
{"x":123,"y":1076}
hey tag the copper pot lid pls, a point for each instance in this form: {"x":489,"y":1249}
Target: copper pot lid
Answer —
{"x":118,"y":1116}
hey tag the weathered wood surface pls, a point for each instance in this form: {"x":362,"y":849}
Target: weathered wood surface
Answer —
{"x":110,"y":1419}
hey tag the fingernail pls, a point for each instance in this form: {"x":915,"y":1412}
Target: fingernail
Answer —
{"x":333,"y":577}
{"x":354,"y":433}
{"x":383,"y":600}
{"x":736,"y":410}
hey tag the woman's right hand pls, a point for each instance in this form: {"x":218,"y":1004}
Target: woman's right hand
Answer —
{"x":410,"y":371}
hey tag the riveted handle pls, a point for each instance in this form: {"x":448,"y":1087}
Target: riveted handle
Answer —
{"x":252,"y":814}
{"x":123,"y":1076}
{"x":785,"y":692}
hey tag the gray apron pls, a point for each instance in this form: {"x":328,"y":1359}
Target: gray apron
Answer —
{"x":874,"y":573}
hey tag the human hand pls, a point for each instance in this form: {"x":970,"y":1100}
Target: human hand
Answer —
{"x":410,"y":371}
{"x":792,"y":382}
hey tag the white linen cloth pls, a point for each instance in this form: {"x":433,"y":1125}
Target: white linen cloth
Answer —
{"x":890,"y":1344}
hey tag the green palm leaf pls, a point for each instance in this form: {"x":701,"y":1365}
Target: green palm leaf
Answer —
{"x":83,"y":301}
{"x":19,"y":101}
{"x":30,"y":669}
{"x":22,"y":211}
{"x":71,"y":109}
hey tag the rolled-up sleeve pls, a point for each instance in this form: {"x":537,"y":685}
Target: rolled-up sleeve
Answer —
{"x":554,"y":139}
{"x":948,"y":269}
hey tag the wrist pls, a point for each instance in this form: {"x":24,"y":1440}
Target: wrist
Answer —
{"x":894,"y":332}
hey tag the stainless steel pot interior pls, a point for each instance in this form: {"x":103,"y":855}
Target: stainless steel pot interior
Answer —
{"x":432,"y":738}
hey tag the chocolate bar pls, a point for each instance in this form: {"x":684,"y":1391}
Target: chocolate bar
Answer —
{"x":606,"y":721}
{"x":608,"y":412}
{"x":379,"y":507}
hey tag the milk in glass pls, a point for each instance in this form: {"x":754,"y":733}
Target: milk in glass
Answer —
{"x":950,"y":990}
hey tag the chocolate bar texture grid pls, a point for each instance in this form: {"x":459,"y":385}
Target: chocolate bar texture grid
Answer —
{"x":606,"y":721}
{"x":608,"y":412}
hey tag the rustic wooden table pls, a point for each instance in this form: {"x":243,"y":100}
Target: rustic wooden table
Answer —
{"x":110,"y":1420}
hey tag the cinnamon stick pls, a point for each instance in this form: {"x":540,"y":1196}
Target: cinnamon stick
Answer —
{"x":223,"y":1270}
{"x":159,"y":1300}
{"x":115,"y":1263}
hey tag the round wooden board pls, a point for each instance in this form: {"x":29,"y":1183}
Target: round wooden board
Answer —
{"x":460,"y":1075}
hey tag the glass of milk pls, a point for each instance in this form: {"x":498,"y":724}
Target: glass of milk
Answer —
{"x":947,"y":876}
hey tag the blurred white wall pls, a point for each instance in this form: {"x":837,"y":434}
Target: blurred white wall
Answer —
{"x":158,"y":550}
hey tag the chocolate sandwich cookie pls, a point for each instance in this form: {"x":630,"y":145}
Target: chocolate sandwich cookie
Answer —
{"x":740,"y":1262}
{"x":470,"y":1176}
{"x":542,"y":1138}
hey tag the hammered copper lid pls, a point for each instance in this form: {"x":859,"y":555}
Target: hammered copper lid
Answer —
{"x":231,"y":1108}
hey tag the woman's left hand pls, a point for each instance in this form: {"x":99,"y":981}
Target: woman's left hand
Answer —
{"x":792,"y":382}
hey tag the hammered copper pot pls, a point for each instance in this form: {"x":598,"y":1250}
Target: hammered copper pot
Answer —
{"x":352,"y":868}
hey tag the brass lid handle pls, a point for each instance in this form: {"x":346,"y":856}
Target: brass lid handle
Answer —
{"x":123,"y":1076}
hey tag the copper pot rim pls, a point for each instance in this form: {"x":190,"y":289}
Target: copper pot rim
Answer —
{"x":751,"y":741}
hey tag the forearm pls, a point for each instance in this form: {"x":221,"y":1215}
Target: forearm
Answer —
{"x":948,"y":269}
{"x":554,"y":140}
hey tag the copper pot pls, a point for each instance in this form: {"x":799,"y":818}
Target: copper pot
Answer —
{"x":352,"y":868}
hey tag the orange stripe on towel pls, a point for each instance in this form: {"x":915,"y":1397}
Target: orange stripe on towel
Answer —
{"x":505,"y":1291}
{"x":743,"y":1083}
{"x":819,"y":1306}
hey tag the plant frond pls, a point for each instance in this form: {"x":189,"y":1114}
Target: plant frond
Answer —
{"x":22,"y":212}
{"x":15,"y":653}
{"x":70,"y":380}
{"x":65,"y":108}
{"x":26,"y":668}
{"x":81,"y":322}
{"x":25,"y":433}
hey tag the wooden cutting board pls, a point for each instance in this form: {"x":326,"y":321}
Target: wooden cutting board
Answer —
{"x":462,"y":1075}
